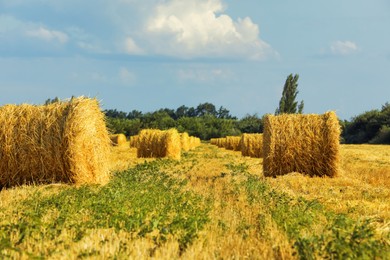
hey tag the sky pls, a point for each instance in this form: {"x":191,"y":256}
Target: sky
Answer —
{"x":151,"y":54}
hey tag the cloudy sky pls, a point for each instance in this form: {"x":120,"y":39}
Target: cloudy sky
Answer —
{"x":151,"y":54}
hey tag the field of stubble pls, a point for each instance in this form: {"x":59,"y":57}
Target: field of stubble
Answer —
{"x":212,"y":204}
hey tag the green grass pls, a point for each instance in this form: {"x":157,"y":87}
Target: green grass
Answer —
{"x":314,"y":231}
{"x":142,"y":201}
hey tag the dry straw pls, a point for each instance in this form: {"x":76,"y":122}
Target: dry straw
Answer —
{"x":134,"y":141}
{"x":252,"y":145}
{"x":61,"y":142}
{"x":233,"y":143}
{"x":308,"y":144}
{"x":185,"y":142}
{"x":118,"y":139}
{"x":159,"y":144}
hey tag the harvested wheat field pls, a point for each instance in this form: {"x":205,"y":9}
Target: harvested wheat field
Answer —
{"x":212,"y":204}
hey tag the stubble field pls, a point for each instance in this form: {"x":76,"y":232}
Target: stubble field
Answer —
{"x":212,"y":204}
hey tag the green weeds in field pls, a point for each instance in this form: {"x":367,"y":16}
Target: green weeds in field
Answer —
{"x":142,"y":201}
{"x":316,"y":232}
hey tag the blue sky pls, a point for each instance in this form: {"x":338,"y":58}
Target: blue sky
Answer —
{"x":151,"y":54}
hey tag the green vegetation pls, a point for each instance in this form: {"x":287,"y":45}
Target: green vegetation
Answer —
{"x":287,"y":103}
{"x":142,"y":201}
{"x":315,"y":231}
{"x":369,"y":127}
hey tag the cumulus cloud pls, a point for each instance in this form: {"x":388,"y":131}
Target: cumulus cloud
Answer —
{"x":131,"y":47}
{"x":127,"y":77}
{"x":48,"y":35}
{"x":205,"y":74}
{"x":199,"y":28}
{"x":343,"y":47}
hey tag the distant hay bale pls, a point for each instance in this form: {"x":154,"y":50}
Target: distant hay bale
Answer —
{"x":308,"y":144}
{"x":185,"y":141}
{"x":134,"y":140}
{"x":252,"y":145}
{"x":118,"y":139}
{"x":194,"y":142}
{"x":159,"y":144}
{"x":233,"y":143}
{"x":60,"y":142}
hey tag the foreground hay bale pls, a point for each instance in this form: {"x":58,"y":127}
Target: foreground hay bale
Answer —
{"x":118,"y":139}
{"x":61,"y":142}
{"x":252,"y":145}
{"x":159,"y":144}
{"x":308,"y":144}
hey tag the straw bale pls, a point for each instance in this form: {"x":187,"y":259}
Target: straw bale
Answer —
{"x":233,"y":143}
{"x":252,"y":145}
{"x":308,"y":144}
{"x":118,"y":139}
{"x":185,"y":141}
{"x":60,"y":142}
{"x":171,"y":144}
{"x":194,"y":142}
{"x":159,"y":144}
{"x":134,"y":141}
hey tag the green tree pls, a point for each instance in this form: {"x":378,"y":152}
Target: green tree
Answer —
{"x":287,"y":104}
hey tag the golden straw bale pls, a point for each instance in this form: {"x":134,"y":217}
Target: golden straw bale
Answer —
{"x":145,"y":143}
{"x":158,"y":144}
{"x":308,"y":144}
{"x":118,"y":139}
{"x":195,"y":142}
{"x":171,"y":144}
{"x":185,"y":142}
{"x":134,"y":141}
{"x":60,"y":142}
{"x":252,"y":145}
{"x":233,"y":143}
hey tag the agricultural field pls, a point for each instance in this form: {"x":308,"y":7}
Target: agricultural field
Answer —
{"x":213,"y":203}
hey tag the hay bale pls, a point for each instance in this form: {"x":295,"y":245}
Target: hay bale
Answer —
{"x":308,"y":144}
{"x":134,"y":141}
{"x":159,"y":144}
{"x":61,"y":142}
{"x":118,"y":139}
{"x":233,"y":143}
{"x":145,"y":143}
{"x":185,"y":141}
{"x":194,"y":142}
{"x":171,"y":144}
{"x":252,"y":145}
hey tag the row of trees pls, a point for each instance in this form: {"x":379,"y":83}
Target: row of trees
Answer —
{"x":369,"y":127}
{"x":206,"y":121}
{"x":202,"y":123}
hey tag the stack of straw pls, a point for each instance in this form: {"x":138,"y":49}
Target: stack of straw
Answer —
{"x":61,"y":142}
{"x":159,"y":144}
{"x":252,"y":145}
{"x":118,"y":139}
{"x":308,"y":144}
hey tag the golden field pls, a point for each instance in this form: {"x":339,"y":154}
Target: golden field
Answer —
{"x":242,"y":223}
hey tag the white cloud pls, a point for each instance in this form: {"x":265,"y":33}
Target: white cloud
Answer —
{"x":48,"y":35}
{"x":343,"y":47}
{"x":131,"y":47}
{"x":127,"y":77}
{"x":198,"y":28}
{"x":205,"y":74}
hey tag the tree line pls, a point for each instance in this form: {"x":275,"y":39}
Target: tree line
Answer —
{"x":203,"y":121}
{"x":206,"y":121}
{"x":369,"y":127}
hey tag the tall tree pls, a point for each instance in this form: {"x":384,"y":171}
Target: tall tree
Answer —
{"x":287,"y":104}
